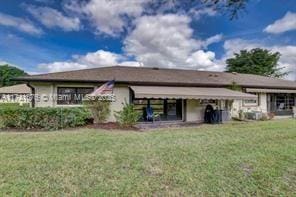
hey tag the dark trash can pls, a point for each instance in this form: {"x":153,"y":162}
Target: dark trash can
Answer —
{"x":213,"y":116}
{"x":217,"y":116}
{"x":209,"y":114}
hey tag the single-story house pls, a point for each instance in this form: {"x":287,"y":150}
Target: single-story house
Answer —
{"x":15,"y":94}
{"x":177,"y":95}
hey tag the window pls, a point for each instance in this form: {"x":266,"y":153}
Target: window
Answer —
{"x":285,"y":102}
{"x":281,"y":104}
{"x":251,"y":102}
{"x":72,"y":96}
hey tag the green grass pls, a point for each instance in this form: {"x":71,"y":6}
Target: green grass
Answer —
{"x":256,"y":158}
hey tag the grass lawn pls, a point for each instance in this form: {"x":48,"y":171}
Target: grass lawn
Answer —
{"x":240,"y":158}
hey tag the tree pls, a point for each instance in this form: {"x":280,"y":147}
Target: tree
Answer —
{"x":7,"y":73}
{"x":256,"y":61}
{"x":230,"y":7}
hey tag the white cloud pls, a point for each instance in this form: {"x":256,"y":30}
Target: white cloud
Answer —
{"x":53,"y":18}
{"x":131,"y":63}
{"x":109,"y":17}
{"x":99,"y":58}
{"x":212,"y":40}
{"x":3,"y":62}
{"x":203,"y":60}
{"x":287,"y":59}
{"x":235,"y":45}
{"x":198,"y":13}
{"x":61,"y":66}
{"x":21,"y":24}
{"x":166,"y":41}
{"x":113,"y":17}
{"x":160,"y":40}
{"x":287,"y":23}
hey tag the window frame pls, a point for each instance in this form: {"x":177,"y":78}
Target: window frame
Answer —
{"x":72,"y":102}
{"x":257,"y":104}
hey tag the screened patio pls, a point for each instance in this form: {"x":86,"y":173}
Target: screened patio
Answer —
{"x":177,"y":103}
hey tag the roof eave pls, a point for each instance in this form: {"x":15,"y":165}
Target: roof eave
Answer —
{"x":152,"y":83}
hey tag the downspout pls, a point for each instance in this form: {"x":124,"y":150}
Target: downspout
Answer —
{"x":33,"y":94}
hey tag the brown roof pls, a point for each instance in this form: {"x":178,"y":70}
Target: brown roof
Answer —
{"x":158,"y":76}
{"x":16,"y":89}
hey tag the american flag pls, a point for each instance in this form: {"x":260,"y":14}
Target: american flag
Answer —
{"x":105,"y":88}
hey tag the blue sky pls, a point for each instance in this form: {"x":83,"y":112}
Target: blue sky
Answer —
{"x":49,"y":36}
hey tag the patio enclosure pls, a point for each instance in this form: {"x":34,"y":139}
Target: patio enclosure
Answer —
{"x":281,"y":104}
{"x":182,"y":103}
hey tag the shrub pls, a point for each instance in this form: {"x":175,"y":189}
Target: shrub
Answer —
{"x":264,"y":117}
{"x":271,"y":115}
{"x":128,"y":116}
{"x":5,"y":105}
{"x":100,"y":110}
{"x":43,"y":118}
{"x":241,"y":115}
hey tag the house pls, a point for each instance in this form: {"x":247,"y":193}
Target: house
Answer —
{"x":176,"y":95}
{"x":15,"y":94}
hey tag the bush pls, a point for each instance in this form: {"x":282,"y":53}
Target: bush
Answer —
{"x":128,"y":116}
{"x":5,"y":105}
{"x":271,"y":115}
{"x":43,"y":118}
{"x":241,"y":115}
{"x":100,"y":110}
{"x":264,"y":117}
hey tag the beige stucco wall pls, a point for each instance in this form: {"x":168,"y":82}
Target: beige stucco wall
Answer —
{"x":48,"y":91}
{"x":238,"y":105}
{"x":20,"y":99}
{"x":194,"y":111}
{"x":43,"y":93}
{"x":122,"y":94}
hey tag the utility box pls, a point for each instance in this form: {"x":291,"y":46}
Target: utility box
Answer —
{"x":255,"y":115}
{"x":226,"y":116}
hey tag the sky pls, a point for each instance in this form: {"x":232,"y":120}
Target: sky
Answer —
{"x":43,"y":36}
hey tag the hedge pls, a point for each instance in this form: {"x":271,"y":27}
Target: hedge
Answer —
{"x":5,"y":105}
{"x":43,"y":118}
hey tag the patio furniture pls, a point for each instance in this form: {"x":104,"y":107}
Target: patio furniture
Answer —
{"x":254,"y":115}
{"x":151,"y":116}
{"x":149,"y":113}
{"x":281,"y":106}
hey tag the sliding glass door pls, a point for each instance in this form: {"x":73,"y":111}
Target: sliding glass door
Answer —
{"x":281,"y":104}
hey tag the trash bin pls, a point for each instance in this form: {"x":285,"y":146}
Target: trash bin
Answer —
{"x":226,"y":116}
{"x":217,"y":116}
{"x":209,"y":114}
